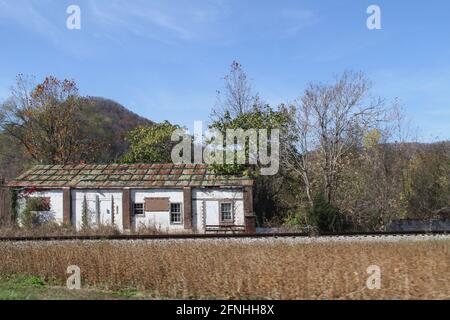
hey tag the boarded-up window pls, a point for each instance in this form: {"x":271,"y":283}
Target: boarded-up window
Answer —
{"x":157,"y":204}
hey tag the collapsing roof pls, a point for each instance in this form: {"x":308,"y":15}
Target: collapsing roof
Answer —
{"x":125,"y":176}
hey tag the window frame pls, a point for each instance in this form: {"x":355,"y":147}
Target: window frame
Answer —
{"x":226,"y":221}
{"x":143,"y":209}
{"x":46,"y":201}
{"x":172,"y":212}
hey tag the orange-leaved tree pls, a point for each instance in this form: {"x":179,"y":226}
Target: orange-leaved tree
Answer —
{"x":46,"y":120}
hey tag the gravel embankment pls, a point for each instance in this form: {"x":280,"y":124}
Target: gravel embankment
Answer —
{"x":264,"y":240}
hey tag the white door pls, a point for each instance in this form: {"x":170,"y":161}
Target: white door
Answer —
{"x":211,"y":212}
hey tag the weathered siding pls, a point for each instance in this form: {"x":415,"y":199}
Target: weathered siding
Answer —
{"x":99,"y":204}
{"x":205,"y":205}
{"x":56,"y":204}
{"x":158,"y":220}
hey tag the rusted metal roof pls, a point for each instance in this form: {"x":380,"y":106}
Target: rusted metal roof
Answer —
{"x":125,"y":175}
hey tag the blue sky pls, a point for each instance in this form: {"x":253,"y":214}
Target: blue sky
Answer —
{"x":165,"y":59}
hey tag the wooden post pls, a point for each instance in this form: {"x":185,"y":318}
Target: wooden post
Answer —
{"x":249,"y":215}
{"x":126,"y":210}
{"x":67,"y":206}
{"x":187,"y":207}
{"x":248,"y":200}
{"x":250,"y":224}
{"x":113,"y":211}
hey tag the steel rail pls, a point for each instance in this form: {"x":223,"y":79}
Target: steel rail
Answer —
{"x":214,"y":236}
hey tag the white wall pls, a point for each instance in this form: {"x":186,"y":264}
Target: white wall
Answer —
{"x":56,"y":204}
{"x":158,"y":220}
{"x":99,"y":204}
{"x":209,"y":198}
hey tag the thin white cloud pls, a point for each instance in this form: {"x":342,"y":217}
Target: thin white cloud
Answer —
{"x":163,"y":21}
{"x":29,"y":17}
{"x":160,"y":20}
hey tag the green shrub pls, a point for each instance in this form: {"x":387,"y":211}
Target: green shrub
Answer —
{"x":34,"y":281}
{"x":323,"y":215}
{"x":294,"y":219}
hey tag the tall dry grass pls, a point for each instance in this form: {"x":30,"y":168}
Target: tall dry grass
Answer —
{"x":240,"y":270}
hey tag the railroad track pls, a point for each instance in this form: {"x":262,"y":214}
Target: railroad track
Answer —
{"x":220,"y":236}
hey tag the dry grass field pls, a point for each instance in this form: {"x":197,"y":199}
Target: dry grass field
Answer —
{"x":241,"y":270}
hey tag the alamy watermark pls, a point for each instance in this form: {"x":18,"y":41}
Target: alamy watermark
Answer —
{"x":374,"y":280}
{"x":237,"y":146}
{"x":74,"y":19}
{"x":374,"y":20}
{"x":74,"y":280}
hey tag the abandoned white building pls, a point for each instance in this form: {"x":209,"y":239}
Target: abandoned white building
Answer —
{"x":169,"y":197}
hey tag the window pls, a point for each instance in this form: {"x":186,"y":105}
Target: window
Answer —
{"x":138,"y":208}
{"x":226,"y":214}
{"x":39,"y":204}
{"x":175,"y":213}
{"x":36,"y":211}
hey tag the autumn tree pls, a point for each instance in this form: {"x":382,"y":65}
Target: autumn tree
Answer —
{"x":44,"y":119}
{"x":369,"y":193}
{"x":427,"y":183}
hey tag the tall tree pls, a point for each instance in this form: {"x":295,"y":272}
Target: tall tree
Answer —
{"x":238,"y":108}
{"x":330,"y":122}
{"x":45,"y":120}
{"x":237,"y":97}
